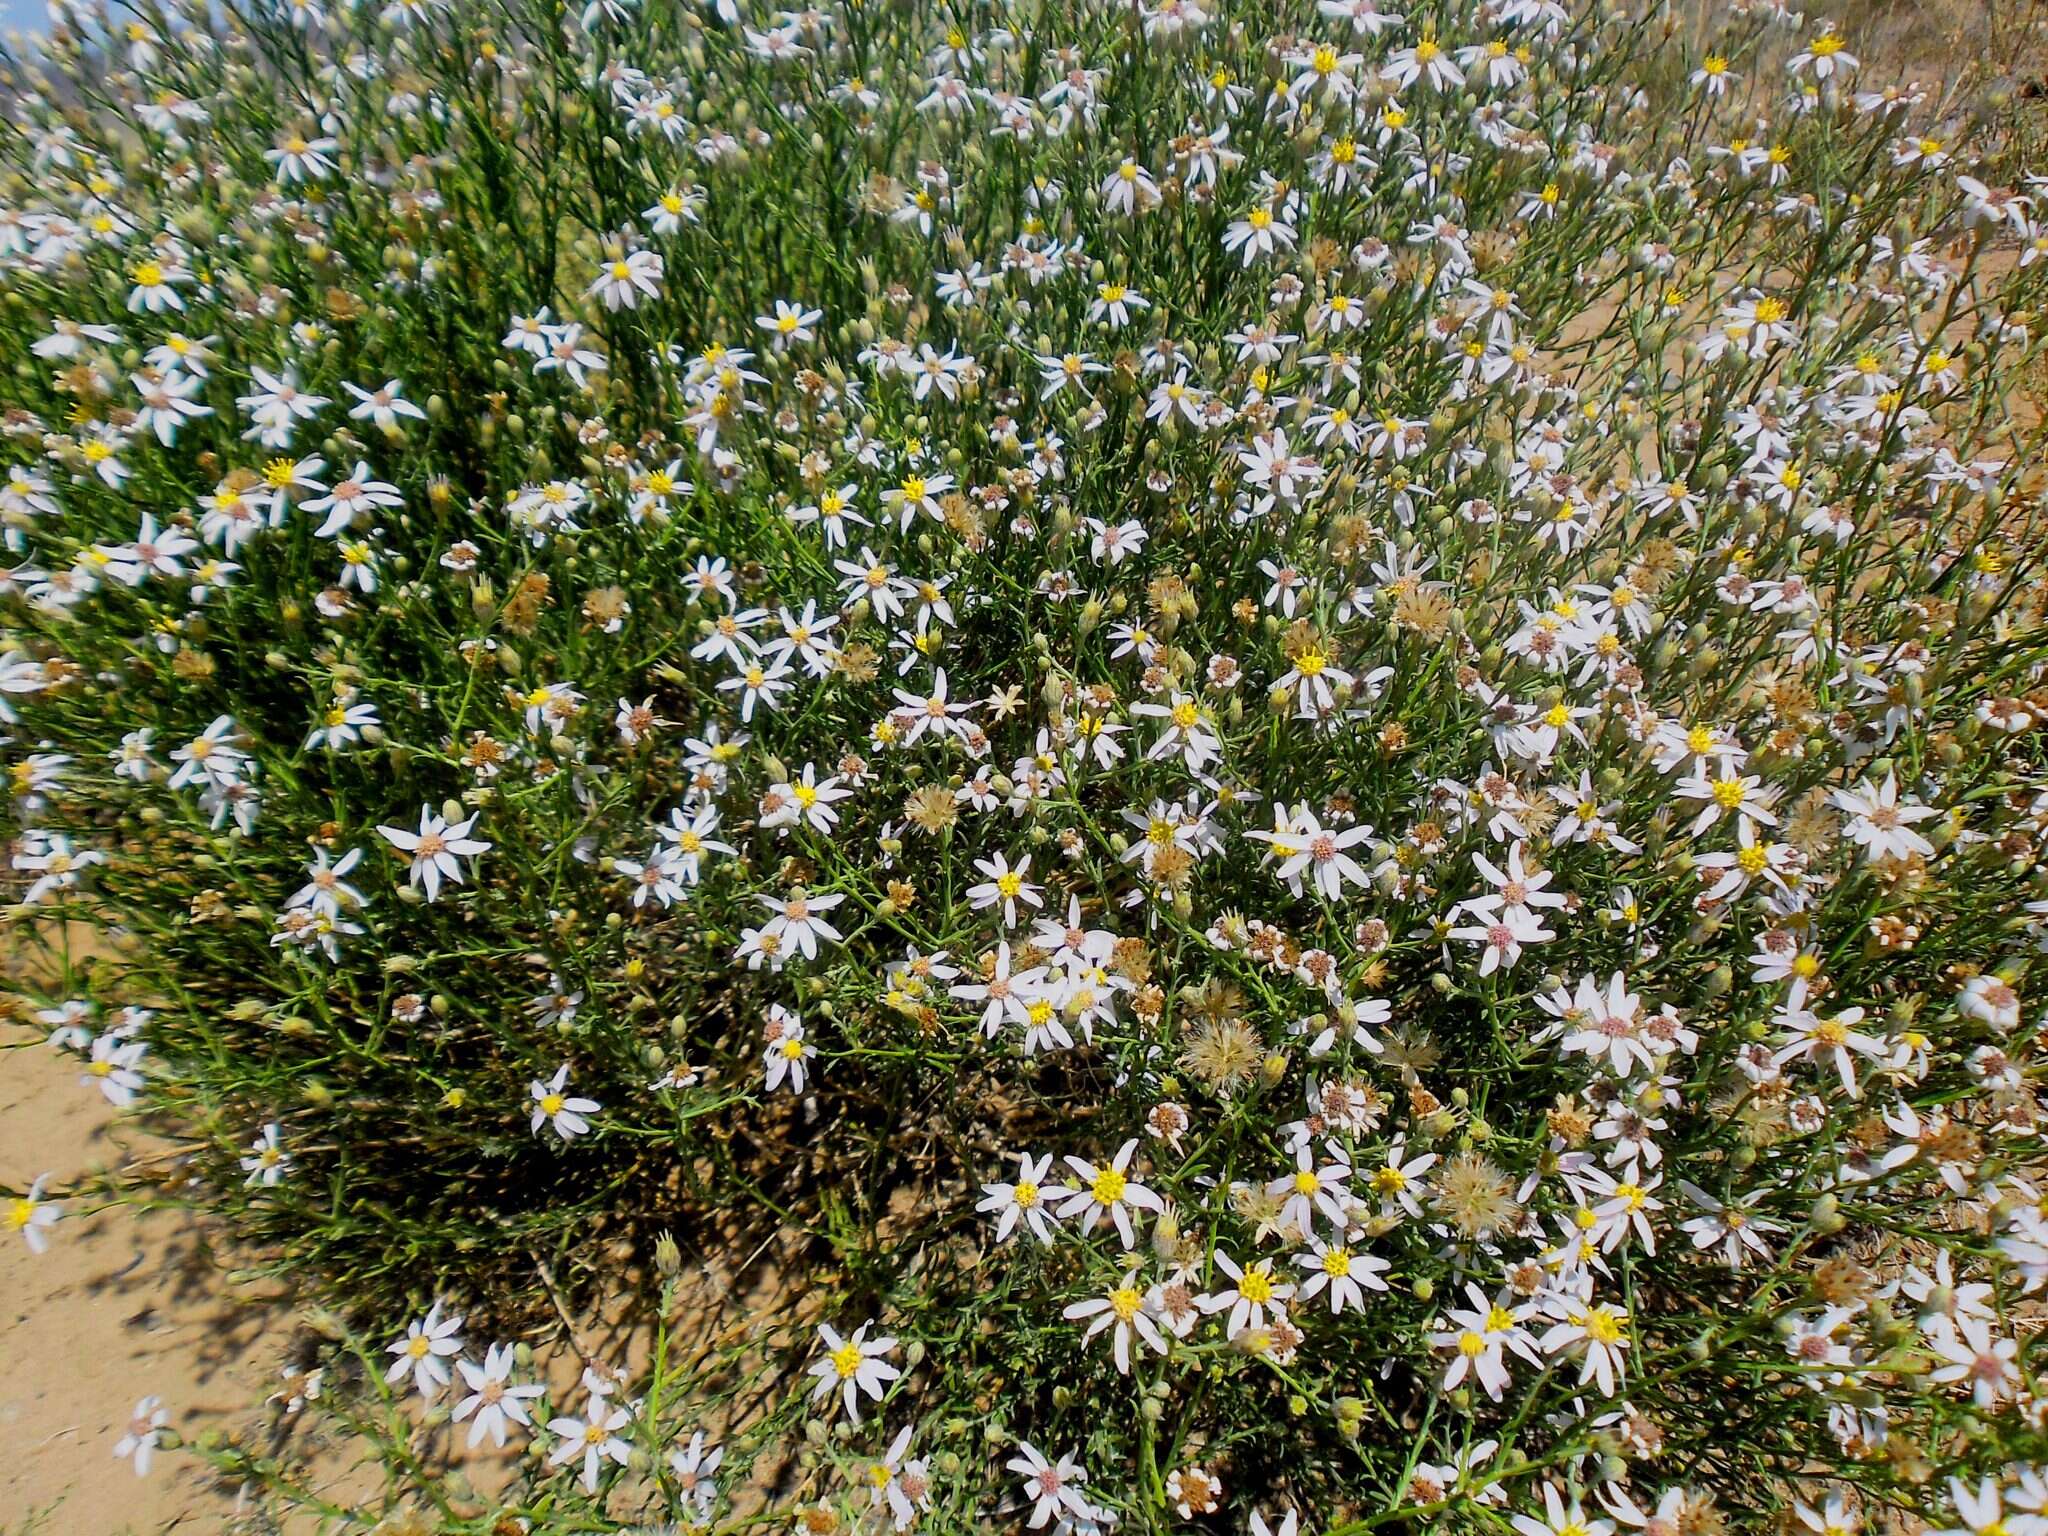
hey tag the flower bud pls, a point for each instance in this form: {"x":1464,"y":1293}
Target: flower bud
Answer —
{"x":1826,"y":1216}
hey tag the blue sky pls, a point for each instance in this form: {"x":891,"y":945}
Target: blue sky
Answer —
{"x":23,"y":16}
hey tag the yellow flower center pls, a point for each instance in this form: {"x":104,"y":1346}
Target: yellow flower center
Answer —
{"x":1603,"y":1327}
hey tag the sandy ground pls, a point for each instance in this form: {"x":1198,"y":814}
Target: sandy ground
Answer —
{"x":121,"y":1306}
{"x":125,"y":1304}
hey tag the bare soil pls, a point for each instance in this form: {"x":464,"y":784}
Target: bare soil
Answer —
{"x":123,"y":1305}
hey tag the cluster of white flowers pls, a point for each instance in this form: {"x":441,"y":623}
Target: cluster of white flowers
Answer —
{"x":1398,"y":653}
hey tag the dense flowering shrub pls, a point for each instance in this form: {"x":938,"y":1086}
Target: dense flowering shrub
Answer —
{"x":1305,"y":739}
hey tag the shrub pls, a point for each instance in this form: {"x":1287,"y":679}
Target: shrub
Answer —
{"x":1302,"y":744}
